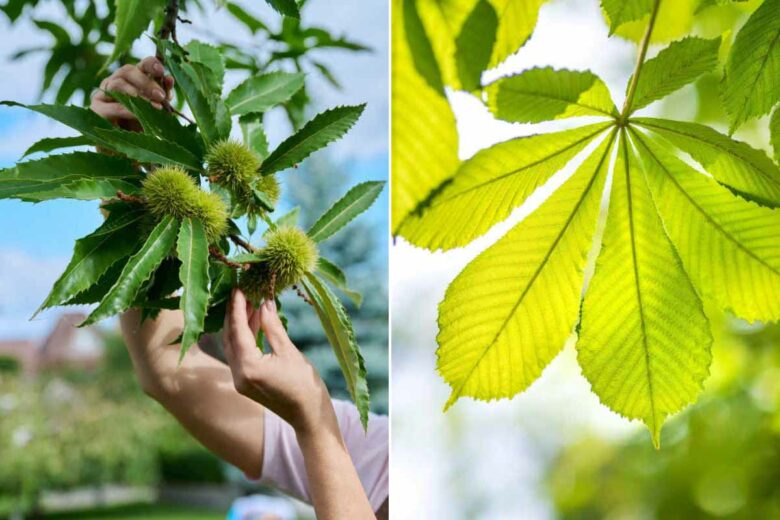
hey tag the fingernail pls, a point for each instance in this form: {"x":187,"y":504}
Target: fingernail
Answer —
{"x":156,"y":105}
{"x":158,"y":95}
{"x":158,"y":68}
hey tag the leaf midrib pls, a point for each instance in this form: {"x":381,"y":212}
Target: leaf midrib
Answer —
{"x":315,"y":236}
{"x":562,"y":99}
{"x":542,"y":265}
{"x":276,"y":88}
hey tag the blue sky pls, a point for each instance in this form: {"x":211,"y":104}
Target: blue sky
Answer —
{"x":36,"y":240}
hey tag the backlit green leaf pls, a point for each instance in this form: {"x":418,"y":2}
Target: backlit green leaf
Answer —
{"x":728,"y":245}
{"x":644,"y":342}
{"x":491,"y":184}
{"x":138,"y":269}
{"x":145,"y":148}
{"x":498,"y":324}
{"x":751,"y":85}
{"x":333,"y":273}
{"x":774,"y":130}
{"x":733,"y":163}
{"x":619,"y":12}
{"x":132,"y":18}
{"x":48,"y":144}
{"x":674,"y":67}
{"x":516,"y":23}
{"x":544,"y":94}
{"x":474,"y":44}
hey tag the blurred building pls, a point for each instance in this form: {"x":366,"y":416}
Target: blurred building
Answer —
{"x":66,"y":346}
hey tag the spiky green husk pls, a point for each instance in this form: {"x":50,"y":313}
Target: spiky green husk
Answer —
{"x":289,"y":254}
{"x":171,"y":191}
{"x":232,"y":164}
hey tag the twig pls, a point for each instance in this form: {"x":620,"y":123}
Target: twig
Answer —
{"x":170,"y":108}
{"x":216,"y":253}
{"x":129,"y":198}
{"x":639,"y":62}
{"x":272,"y":286}
{"x":303,"y":295}
{"x":243,"y":243}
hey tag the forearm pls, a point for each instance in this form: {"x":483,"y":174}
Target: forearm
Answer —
{"x":200,"y":392}
{"x":335,"y":487}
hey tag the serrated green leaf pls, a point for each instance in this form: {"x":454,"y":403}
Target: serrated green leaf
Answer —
{"x":424,"y":136}
{"x":674,"y":20}
{"x":53,"y":176}
{"x":774,"y":131}
{"x":193,"y":250}
{"x":543,"y":94}
{"x":338,"y":328}
{"x":733,"y":163}
{"x":98,"y":290}
{"x":674,"y":67}
{"x":146,"y":148}
{"x":254,"y":134}
{"x":285,"y":7}
{"x":202,"y":109}
{"x":325,"y":128}
{"x":138,"y":269}
{"x":259,"y":93}
{"x":353,"y":203}
{"x":751,"y":84}
{"x":498,"y":325}
{"x":516,"y":23}
{"x":132,"y":18}
{"x":95,"y":253}
{"x":643,"y":327}
{"x":333,"y":273}
{"x":474,"y":44}
{"x":619,"y":12}
{"x":728,"y":245}
{"x":48,"y":144}
{"x":210,"y":57}
{"x":491,"y":184}
{"x":160,"y":123}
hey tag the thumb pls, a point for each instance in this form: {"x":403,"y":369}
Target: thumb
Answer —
{"x":272,"y":327}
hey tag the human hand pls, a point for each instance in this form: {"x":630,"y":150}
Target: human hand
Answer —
{"x":283,"y":380}
{"x":144,"y":80}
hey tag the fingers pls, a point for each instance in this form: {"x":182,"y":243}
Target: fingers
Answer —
{"x":152,"y":67}
{"x":243,"y":342}
{"x":117,"y":83}
{"x":273,"y":329}
{"x":111,"y":110}
{"x":144,"y":85}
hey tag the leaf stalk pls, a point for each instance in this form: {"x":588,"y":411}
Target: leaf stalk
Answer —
{"x":643,"y":46}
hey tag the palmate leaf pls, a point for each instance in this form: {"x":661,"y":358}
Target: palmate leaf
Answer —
{"x":751,"y":84}
{"x":644,"y":340}
{"x":82,"y":175}
{"x":193,"y":250}
{"x":544,"y":94}
{"x":424,"y":137}
{"x":95,"y":253}
{"x":498,"y":324}
{"x":259,"y":93}
{"x":728,"y":245}
{"x":733,"y":163}
{"x":132,"y":18}
{"x":516,"y":23}
{"x":138,"y":269}
{"x":491,"y":184}
{"x":338,"y":328}
{"x":674,"y":67}
{"x":674,"y":19}
{"x":325,"y":128}
{"x":353,"y":203}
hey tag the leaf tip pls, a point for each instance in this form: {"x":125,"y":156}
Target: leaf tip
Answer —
{"x":451,"y":401}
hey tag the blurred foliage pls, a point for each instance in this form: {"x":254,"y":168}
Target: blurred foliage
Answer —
{"x":720,"y":459}
{"x":71,"y":429}
{"x":9,"y":365}
{"x":82,"y":35}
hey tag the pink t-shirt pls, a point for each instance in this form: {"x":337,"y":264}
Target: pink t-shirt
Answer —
{"x":283,"y":466}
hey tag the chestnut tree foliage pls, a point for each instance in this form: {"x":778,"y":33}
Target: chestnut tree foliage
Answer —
{"x":690,"y":213}
{"x":173,"y":192}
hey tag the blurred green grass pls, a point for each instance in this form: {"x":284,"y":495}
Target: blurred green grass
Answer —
{"x":145,"y":511}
